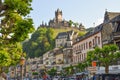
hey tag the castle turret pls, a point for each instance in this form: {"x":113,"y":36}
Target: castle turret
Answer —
{"x":81,"y":27}
{"x":58,"y":15}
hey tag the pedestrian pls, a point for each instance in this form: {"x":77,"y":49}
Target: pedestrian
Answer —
{"x":94,"y":78}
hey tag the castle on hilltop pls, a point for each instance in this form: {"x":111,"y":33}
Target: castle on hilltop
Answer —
{"x":58,"y":21}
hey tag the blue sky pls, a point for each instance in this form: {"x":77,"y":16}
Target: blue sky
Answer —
{"x":81,"y":11}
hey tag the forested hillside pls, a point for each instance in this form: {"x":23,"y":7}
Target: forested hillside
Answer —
{"x":43,"y":40}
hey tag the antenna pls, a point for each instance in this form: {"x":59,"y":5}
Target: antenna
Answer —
{"x":105,"y":10}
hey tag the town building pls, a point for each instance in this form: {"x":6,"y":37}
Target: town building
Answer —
{"x":111,"y":30}
{"x":85,"y":43}
{"x":65,"y":38}
{"x":105,"y":33}
{"x":110,"y":26}
{"x":116,"y":32}
{"x":71,"y":49}
{"x":46,"y":58}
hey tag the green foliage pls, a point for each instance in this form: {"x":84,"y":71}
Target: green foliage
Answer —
{"x":35,"y":73}
{"x":105,"y":56}
{"x":22,"y":7}
{"x":70,"y":23}
{"x":10,"y":54}
{"x":43,"y":40}
{"x":81,"y":33}
{"x":14,"y":28}
{"x":40,"y":42}
{"x":75,"y":24}
{"x":81,"y":67}
{"x":4,"y":58}
{"x":90,"y":29}
{"x":68,"y":70}
{"x":52,"y":72}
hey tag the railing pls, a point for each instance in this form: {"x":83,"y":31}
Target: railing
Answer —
{"x":78,"y":51}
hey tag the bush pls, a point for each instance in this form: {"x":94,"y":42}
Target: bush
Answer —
{"x":35,"y":73}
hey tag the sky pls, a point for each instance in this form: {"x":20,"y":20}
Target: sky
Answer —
{"x":86,"y":12}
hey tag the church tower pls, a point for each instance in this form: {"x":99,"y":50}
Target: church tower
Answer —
{"x":58,"y":15}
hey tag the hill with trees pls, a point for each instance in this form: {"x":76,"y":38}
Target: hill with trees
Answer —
{"x":43,"y":40}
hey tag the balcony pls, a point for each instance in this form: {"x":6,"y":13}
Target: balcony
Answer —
{"x":78,"y":51}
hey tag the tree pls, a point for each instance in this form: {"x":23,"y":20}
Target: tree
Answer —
{"x":75,"y":24}
{"x":52,"y":72}
{"x":14,"y":28}
{"x":105,"y":56}
{"x":41,"y":41}
{"x":70,"y":23}
{"x":81,"y":66}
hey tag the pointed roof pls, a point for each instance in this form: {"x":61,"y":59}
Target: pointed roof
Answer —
{"x":111,"y":15}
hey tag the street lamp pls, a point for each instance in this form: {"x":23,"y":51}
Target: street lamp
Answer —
{"x":22,"y":62}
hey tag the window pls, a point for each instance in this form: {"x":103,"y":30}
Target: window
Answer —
{"x":93,"y":42}
{"x":80,"y":57}
{"x":82,"y":46}
{"x":79,"y":47}
{"x":98,"y":40}
{"x":86,"y":45}
{"x":90,"y":45}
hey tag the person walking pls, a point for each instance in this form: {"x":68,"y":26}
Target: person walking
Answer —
{"x":94,"y":78}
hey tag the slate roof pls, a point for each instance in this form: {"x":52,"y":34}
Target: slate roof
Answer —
{"x":88,"y":34}
{"x":61,"y":34}
{"x":117,"y":18}
{"x":113,"y":16}
{"x":64,"y":34}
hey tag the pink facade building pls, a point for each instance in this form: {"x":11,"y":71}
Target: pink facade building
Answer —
{"x":85,"y":43}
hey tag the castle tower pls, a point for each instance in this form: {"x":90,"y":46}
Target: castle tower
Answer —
{"x":58,"y":15}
